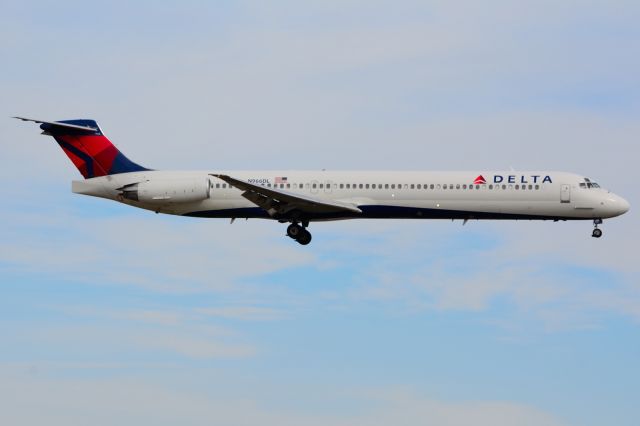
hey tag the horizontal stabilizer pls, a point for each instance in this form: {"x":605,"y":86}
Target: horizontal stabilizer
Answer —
{"x":60,"y":125}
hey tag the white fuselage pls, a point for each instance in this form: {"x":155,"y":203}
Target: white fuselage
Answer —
{"x":378,"y":194}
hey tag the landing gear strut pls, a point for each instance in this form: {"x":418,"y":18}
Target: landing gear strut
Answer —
{"x":299,"y":233}
{"x":597,"y":233}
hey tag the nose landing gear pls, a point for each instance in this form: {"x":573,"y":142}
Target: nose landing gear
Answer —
{"x":597,"y":233}
{"x":299,"y":233}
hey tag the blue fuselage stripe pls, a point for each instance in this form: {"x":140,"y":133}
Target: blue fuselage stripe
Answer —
{"x":380,"y":212}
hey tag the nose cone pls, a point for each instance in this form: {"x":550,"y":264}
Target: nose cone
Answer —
{"x":616,"y":205}
{"x":624,"y":206}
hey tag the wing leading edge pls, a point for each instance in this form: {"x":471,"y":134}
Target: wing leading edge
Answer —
{"x":280,"y":203}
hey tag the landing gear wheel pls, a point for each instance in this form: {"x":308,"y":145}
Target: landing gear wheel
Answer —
{"x":294,"y":231}
{"x":304,"y":238}
{"x":597,"y":233}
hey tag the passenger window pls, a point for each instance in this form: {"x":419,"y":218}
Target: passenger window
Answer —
{"x":464,"y":186}
{"x":413,"y":186}
{"x":341,"y":185}
{"x":444,"y":186}
{"x":504,"y":186}
{"x":537,"y":186}
{"x":386,"y":186}
{"x":313,"y":186}
{"x":393,"y":186}
{"x":360,"y":186}
{"x":458,"y":186}
{"x":517,"y":186}
{"x":490,"y":186}
{"x":419,"y":186}
{"x":431,"y":186}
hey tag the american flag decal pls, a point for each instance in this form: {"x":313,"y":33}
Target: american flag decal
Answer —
{"x":281,"y":179}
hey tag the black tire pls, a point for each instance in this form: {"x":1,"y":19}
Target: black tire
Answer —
{"x":294,"y":231}
{"x":304,"y":238}
{"x":597,"y":233}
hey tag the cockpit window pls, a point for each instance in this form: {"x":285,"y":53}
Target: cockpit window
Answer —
{"x":588,"y":184}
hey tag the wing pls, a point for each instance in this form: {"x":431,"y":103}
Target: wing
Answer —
{"x":278,"y":202}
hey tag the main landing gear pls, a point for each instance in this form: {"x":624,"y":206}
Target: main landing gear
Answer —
{"x":597,"y":233}
{"x":299,"y":233}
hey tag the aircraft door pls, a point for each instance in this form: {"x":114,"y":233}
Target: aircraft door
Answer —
{"x":565,"y":193}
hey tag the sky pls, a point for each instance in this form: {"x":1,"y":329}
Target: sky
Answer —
{"x":112,"y":315}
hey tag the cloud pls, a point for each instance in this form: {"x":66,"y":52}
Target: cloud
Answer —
{"x":34,"y":399}
{"x":245,"y":313}
{"x":538,"y":271}
{"x":161,"y":254}
{"x":189,"y":341}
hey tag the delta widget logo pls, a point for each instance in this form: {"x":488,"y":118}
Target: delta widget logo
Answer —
{"x":480,"y":180}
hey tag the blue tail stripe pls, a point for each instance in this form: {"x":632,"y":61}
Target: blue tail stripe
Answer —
{"x":121,"y":164}
{"x":84,"y":156}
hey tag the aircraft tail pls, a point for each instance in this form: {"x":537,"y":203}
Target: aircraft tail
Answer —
{"x":88,"y":149}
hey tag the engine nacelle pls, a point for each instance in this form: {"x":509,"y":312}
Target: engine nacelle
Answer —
{"x":167,"y":191}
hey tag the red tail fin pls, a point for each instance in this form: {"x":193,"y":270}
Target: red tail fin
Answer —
{"x":89,"y":150}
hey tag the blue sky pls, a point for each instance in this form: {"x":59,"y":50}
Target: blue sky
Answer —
{"x":112,"y":315}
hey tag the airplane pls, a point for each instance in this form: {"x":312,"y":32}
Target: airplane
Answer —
{"x":301,"y":197}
